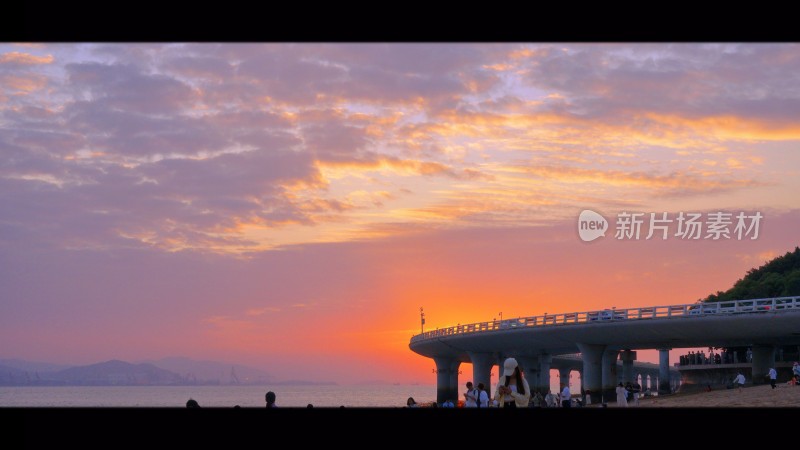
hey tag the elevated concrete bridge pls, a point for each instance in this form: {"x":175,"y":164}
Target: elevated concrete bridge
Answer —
{"x":603,"y":338}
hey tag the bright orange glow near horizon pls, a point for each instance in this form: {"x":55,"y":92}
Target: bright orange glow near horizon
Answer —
{"x":290,"y":207}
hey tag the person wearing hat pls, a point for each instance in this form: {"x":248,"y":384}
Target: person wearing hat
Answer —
{"x":512,"y":387}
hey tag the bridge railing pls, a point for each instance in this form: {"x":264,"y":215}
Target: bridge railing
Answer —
{"x":755,"y":306}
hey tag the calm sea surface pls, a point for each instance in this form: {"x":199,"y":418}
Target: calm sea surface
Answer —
{"x":214,"y":396}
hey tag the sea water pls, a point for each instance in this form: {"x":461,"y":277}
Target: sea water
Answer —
{"x":388,"y":396}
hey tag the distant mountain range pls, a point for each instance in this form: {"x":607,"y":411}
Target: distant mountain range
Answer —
{"x":167,"y":371}
{"x":213,"y":371}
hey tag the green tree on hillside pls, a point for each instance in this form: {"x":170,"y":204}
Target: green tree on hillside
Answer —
{"x":779,"y":277}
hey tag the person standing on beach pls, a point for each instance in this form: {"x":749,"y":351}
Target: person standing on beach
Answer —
{"x":739,"y":381}
{"x":566,"y":396}
{"x":471,"y":396}
{"x":512,"y":388}
{"x":483,"y":396}
{"x":773,"y":377}
{"x":550,"y":400}
{"x":537,"y":399}
{"x":621,"y":393}
{"x":270,"y":398}
{"x":637,"y":389}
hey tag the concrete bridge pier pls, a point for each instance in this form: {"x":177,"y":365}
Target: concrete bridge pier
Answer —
{"x":628,"y":357}
{"x":563,"y":378}
{"x":446,"y":379}
{"x":592,"y":356}
{"x":530,"y":368}
{"x":763,"y":360}
{"x":454,"y":381}
{"x":482,"y":369}
{"x":610,"y":380}
{"x":500,"y":361}
{"x":543,"y":383}
{"x":663,"y":372}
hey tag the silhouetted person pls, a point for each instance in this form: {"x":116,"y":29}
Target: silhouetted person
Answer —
{"x":471,"y":396}
{"x":566,"y":396}
{"x":270,"y":397}
{"x":621,"y":393}
{"x":739,"y":381}
{"x":411,"y":403}
{"x":483,"y":396}
{"x":310,"y":406}
{"x":192,"y":403}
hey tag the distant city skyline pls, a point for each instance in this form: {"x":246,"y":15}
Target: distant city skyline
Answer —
{"x":290,"y":207}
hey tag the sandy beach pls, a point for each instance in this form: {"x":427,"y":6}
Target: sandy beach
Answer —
{"x":756,"y":396}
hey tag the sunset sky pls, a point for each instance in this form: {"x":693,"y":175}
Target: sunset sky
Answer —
{"x":292,"y":206}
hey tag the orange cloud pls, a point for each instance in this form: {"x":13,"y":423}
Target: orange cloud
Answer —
{"x":499,"y":67}
{"x":261,"y":311}
{"x":397,"y":166}
{"x":24,"y":85}
{"x":25,"y":58}
{"x":526,"y":53}
{"x":731,"y":127}
{"x":679,"y":181}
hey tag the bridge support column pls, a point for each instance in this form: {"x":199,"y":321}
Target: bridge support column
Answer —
{"x":628,"y":357}
{"x":592,"y":356}
{"x":563,"y":377}
{"x":501,"y":359}
{"x":663,"y":371}
{"x":610,"y":381}
{"x":530,"y":368}
{"x":446,"y":379}
{"x":482,"y":369}
{"x":454,"y":381}
{"x":544,"y":373}
{"x":763,"y":360}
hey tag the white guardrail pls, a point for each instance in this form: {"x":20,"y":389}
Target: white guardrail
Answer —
{"x":759,"y":305}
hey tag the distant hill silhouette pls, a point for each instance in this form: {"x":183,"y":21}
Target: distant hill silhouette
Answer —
{"x":12,"y":376}
{"x":117,"y":372}
{"x":212,"y":371}
{"x":779,"y":277}
{"x":167,"y":371}
{"x":107,"y":373}
{"x":32,"y":366}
